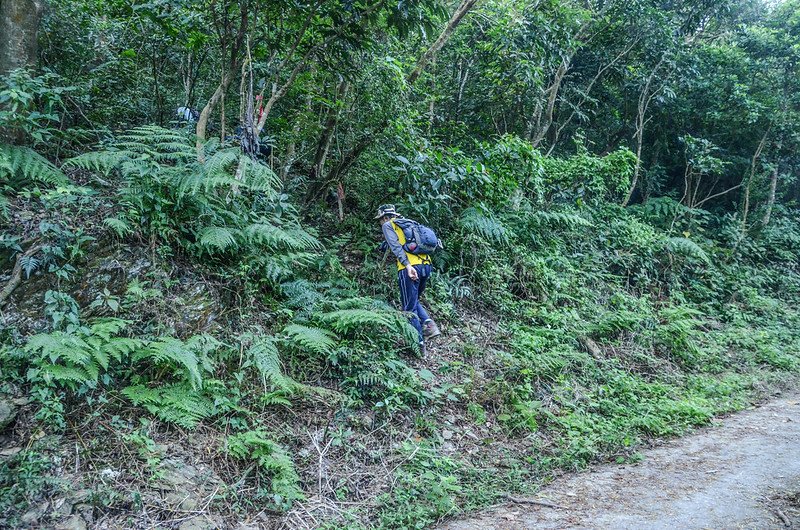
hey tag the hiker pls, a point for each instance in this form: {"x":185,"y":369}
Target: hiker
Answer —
{"x":187,"y":114}
{"x":413,"y":271}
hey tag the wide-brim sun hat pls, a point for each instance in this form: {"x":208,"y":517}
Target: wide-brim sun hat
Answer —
{"x":385,"y":209}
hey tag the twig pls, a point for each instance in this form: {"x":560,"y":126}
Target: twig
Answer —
{"x":783,"y":517}
{"x":526,"y":500}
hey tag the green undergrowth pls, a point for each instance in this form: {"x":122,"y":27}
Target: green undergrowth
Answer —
{"x":576,"y":331}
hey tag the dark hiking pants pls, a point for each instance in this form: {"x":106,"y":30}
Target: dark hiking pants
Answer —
{"x":410,"y":292}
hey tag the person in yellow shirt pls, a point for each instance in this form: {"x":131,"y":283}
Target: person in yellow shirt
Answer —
{"x":413,"y":271}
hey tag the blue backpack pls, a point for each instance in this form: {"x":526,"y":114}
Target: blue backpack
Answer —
{"x":420,"y":239}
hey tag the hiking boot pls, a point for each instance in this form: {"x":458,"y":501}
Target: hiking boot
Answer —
{"x":430,"y":329}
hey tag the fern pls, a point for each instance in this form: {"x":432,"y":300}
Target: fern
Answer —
{"x":21,"y":166}
{"x":350,"y":320}
{"x":120,"y":226}
{"x":272,"y":460}
{"x":103,"y":162}
{"x":218,"y":238}
{"x":486,"y":225}
{"x":263,"y":355}
{"x":687,"y":248}
{"x":301,"y":294}
{"x":560,"y":219}
{"x":74,"y":359}
{"x":186,"y":358}
{"x":180,"y":403}
{"x":345,"y":320}
{"x":315,"y":340}
{"x":292,"y":238}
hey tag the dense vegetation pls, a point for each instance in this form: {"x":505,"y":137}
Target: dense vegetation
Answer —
{"x":615,"y":184}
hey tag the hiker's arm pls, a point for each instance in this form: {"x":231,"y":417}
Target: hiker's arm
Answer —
{"x":394,"y":243}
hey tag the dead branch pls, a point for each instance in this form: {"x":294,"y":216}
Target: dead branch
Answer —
{"x":16,"y":272}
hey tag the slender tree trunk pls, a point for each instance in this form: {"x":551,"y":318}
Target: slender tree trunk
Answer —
{"x":280,"y":90}
{"x":455,"y":20}
{"x":205,"y":114}
{"x":746,"y":201}
{"x":236,"y":44}
{"x":588,"y":90}
{"x":552,"y":95}
{"x":645,"y":97}
{"x":773,"y":187}
{"x":332,"y":119}
{"x":773,"y":181}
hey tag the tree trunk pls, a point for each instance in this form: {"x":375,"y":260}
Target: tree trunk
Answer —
{"x":19,"y":24}
{"x":645,"y":97}
{"x":350,"y":157}
{"x":205,"y":114}
{"x":455,"y":20}
{"x":332,"y":119}
{"x":773,"y":186}
{"x":558,"y":78}
{"x":746,"y":201}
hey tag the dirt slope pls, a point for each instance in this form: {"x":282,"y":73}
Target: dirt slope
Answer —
{"x":725,"y":476}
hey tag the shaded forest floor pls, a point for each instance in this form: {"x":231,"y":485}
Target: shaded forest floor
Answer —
{"x":742,"y":473}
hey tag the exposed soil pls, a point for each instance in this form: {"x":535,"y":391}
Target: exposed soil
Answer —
{"x":743,"y":472}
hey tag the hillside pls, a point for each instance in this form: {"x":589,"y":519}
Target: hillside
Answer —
{"x":197,"y":326}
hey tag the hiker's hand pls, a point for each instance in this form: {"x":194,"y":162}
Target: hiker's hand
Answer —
{"x":412,"y":273}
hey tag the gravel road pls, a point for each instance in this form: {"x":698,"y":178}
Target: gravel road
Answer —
{"x":722,"y":477}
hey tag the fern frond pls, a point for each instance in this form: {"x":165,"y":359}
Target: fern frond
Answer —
{"x":293,"y":238}
{"x":685,"y":247}
{"x":263,"y":355}
{"x":569,"y":220}
{"x":486,"y":225}
{"x":106,"y":328}
{"x":142,"y":395}
{"x":345,"y":320}
{"x":316,"y":340}
{"x":272,"y":459}
{"x":119,"y":226}
{"x":301,"y":294}
{"x":21,"y":166}
{"x":173,"y":352}
{"x":257,"y":176}
{"x":178,"y":404}
{"x":217,"y":238}
{"x":68,"y":374}
{"x":103,"y":162}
